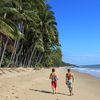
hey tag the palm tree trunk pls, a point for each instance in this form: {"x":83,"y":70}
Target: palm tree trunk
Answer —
{"x":18,"y":55}
{"x":37,"y":57}
{"x":27,"y":60}
{"x":16,"y":46}
{"x":21,"y":58}
{"x":24,"y":63}
{"x":11,"y":55}
{"x":40,"y":59}
{"x":3,"y":52}
{"x":5,"y":14}
{"x":0,"y":50}
{"x":31,"y":56}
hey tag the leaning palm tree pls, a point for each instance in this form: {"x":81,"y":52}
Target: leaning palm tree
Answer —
{"x":7,"y":33}
{"x":13,"y":10}
{"x":33,"y":19}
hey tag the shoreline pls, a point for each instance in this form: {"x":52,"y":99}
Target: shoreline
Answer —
{"x":86,"y":74}
{"x":29,"y":84}
{"x":95,"y":74}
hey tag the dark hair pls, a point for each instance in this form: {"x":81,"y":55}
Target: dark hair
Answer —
{"x":68,"y":70}
{"x":53,"y":70}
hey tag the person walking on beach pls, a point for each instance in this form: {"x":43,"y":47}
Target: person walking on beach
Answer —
{"x":53,"y":78}
{"x":69,"y":81}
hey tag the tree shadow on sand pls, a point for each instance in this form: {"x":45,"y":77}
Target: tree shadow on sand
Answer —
{"x":48,"y":92}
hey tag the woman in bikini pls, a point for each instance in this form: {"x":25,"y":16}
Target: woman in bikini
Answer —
{"x":53,"y":78}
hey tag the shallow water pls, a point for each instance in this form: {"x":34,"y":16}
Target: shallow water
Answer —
{"x":92,"y":70}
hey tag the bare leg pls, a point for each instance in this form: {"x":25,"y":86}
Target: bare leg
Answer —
{"x":71,"y":91}
{"x":53,"y":90}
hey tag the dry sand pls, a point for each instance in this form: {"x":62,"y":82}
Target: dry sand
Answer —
{"x":29,"y":84}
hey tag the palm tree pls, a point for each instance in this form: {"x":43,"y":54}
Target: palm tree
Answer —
{"x":32,"y":20}
{"x":7,"y":32}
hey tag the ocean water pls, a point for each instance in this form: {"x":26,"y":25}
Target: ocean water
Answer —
{"x":92,"y":70}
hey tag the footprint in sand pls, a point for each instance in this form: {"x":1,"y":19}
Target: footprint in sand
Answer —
{"x":57,"y":98}
{"x":16,"y":97}
{"x":13,"y":93}
{"x":13,"y":86}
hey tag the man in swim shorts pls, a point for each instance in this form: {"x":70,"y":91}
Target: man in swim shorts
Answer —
{"x":53,"y":78}
{"x":69,"y":81}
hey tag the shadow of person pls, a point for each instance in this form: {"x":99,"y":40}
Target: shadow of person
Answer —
{"x":48,"y":92}
{"x":42,"y":91}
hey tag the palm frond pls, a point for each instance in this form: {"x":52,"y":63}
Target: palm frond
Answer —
{"x":6,"y":30}
{"x":16,"y":33}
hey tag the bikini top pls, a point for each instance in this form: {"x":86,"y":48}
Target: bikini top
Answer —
{"x":53,"y":77}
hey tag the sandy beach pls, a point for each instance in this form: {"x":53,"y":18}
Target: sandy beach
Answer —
{"x":29,"y":84}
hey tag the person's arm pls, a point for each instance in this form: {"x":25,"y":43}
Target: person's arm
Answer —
{"x":50,"y":76}
{"x":56,"y":77}
{"x":73,"y":77}
{"x":66,"y":79}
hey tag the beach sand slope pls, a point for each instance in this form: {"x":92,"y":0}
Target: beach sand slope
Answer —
{"x":29,"y":84}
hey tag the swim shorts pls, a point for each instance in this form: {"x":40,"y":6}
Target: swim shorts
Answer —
{"x":69,"y":83}
{"x":54,"y":84}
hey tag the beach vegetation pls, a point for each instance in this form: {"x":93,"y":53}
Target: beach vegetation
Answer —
{"x":28,"y":34}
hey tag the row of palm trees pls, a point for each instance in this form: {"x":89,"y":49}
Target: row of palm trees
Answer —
{"x":28,"y":33}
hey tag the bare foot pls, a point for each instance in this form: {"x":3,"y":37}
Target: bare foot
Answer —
{"x":72,"y":93}
{"x":69,"y":95}
{"x":53,"y":93}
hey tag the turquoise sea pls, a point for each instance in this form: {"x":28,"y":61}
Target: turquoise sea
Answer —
{"x":89,"y":69}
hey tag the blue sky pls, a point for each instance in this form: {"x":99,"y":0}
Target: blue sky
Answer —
{"x":79,"y":30}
